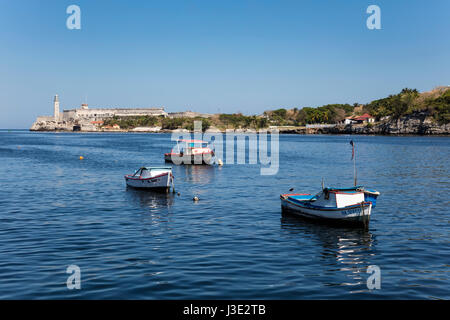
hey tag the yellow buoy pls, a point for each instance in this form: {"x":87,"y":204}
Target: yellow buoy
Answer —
{"x":81,"y":157}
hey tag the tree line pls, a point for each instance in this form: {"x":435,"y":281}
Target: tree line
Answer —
{"x":406,"y":102}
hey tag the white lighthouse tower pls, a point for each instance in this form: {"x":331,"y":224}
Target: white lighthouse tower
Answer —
{"x":56,"y":107}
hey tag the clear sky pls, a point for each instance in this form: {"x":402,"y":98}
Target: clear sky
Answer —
{"x":216,"y":56}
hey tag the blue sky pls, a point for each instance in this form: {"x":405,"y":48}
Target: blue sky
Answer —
{"x":210,"y":56}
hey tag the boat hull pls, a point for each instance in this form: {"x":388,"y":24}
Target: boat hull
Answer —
{"x":176,"y":158}
{"x":352,"y":215}
{"x":161,"y":182}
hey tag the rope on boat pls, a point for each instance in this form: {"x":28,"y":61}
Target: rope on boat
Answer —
{"x":173,"y":183}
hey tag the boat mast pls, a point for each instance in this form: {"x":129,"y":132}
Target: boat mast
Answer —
{"x":354,"y":161}
{"x":354,"y":166}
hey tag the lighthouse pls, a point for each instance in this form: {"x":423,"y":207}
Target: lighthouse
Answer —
{"x":56,"y":107}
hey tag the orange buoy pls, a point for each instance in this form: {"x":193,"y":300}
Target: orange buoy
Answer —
{"x":81,"y":157}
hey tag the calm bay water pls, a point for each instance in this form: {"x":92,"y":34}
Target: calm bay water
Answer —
{"x":234,"y":243}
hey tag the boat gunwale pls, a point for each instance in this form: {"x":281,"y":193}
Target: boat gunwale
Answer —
{"x":128,"y":176}
{"x":181,"y":155}
{"x":301,"y":204}
{"x":357,"y":189}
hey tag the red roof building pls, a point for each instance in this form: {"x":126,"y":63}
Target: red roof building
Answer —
{"x":365,"y":118}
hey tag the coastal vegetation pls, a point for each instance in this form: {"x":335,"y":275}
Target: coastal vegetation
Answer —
{"x":395,"y":105}
{"x":331,"y":113}
{"x":435,"y":104}
{"x":238,"y":120}
{"x":440,"y":108}
{"x":132,"y":122}
{"x":221,"y":121}
{"x":184,"y":123}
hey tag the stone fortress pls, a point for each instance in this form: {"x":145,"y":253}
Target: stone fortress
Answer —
{"x":91,"y":119}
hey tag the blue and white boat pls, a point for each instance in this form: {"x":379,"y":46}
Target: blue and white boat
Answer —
{"x":351,"y":205}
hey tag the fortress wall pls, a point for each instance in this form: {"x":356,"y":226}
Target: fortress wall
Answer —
{"x":108,"y":113}
{"x":69,"y":114}
{"x":189,"y":114}
{"x":45,"y":118}
{"x":139,"y":112}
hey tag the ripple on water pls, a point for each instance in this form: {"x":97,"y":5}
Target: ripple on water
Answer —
{"x":233,"y":243}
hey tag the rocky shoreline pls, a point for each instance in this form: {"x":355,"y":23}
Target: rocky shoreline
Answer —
{"x":414,"y":124}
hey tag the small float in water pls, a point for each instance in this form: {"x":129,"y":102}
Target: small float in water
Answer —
{"x":151,"y":178}
{"x":191,"y":152}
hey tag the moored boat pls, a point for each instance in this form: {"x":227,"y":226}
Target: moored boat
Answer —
{"x":190,"y":152}
{"x":349,"y":205}
{"x":151,"y":178}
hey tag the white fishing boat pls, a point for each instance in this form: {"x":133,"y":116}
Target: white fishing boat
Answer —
{"x":151,"y":178}
{"x":349,"y":205}
{"x":332,"y":204}
{"x":191,"y":152}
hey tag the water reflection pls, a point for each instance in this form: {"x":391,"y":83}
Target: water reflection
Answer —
{"x":201,"y":174}
{"x":345,"y":249}
{"x":149,"y":199}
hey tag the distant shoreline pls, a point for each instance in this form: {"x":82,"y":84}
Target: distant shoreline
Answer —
{"x":408,"y":112}
{"x":281,"y":132}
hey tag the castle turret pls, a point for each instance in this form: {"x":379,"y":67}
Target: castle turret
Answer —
{"x":56,"y":107}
